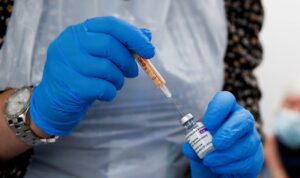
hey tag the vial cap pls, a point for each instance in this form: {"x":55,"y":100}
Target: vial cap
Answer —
{"x":186,"y":118}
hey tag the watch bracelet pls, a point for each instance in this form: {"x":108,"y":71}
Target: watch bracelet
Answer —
{"x":23,"y":131}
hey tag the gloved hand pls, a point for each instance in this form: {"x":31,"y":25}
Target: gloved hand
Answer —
{"x":86,"y":62}
{"x":238,"y":148}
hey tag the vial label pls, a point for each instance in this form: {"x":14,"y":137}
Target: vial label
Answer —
{"x":200,"y":139}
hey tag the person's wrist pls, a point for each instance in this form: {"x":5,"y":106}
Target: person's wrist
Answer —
{"x":34,"y":128}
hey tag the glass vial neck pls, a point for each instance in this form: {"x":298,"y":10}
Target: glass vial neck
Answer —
{"x":189,"y":124}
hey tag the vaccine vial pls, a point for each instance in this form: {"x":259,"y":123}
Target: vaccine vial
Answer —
{"x":197,"y":135}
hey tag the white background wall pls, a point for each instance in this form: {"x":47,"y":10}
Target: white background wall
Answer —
{"x":281,"y":41}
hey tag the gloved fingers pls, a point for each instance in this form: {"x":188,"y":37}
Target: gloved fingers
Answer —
{"x":249,"y":166}
{"x":109,"y":72}
{"x":90,"y":89}
{"x":129,"y":35}
{"x":189,"y":152}
{"x":238,"y":124}
{"x":147,"y":32}
{"x":218,"y":109}
{"x":107,"y":91}
{"x":198,"y":170}
{"x":97,"y":67}
{"x":87,"y":65}
{"x":106,"y":46}
{"x":243,"y":148}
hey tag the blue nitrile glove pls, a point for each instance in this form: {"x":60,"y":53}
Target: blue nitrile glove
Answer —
{"x":86,"y":62}
{"x":238,"y":148}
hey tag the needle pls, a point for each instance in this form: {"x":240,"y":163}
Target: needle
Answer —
{"x":176,"y":106}
{"x":156,"y":78}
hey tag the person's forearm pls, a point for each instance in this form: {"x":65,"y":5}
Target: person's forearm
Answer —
{"x":10,"y":144}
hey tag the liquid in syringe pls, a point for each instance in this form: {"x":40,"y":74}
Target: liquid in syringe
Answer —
{"x":153,"y":74}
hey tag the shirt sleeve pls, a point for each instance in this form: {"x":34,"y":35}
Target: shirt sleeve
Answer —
{"x":244,"y":53}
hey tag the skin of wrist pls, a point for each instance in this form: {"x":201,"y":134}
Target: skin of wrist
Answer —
{"x":34,"y":128}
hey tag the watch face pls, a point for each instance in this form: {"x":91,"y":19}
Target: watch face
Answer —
{"x":18,"y":102}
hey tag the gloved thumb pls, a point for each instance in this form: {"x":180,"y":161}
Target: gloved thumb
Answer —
{"x":198,"y":170}
{"x":189,"y":152}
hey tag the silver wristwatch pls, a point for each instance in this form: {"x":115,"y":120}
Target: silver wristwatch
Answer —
{"x":15,"y":111}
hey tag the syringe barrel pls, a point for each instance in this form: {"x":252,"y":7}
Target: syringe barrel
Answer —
{"x":151,"y":71}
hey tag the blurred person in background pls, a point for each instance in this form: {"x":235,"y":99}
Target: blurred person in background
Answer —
{"x":282,"y":150}
{"x":201,"y":47}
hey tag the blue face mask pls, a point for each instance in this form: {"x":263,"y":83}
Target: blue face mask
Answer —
{"x":287,"y":128}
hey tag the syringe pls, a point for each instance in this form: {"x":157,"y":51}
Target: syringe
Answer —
{"x":154,"y":75}
{"x":157,"y":79}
